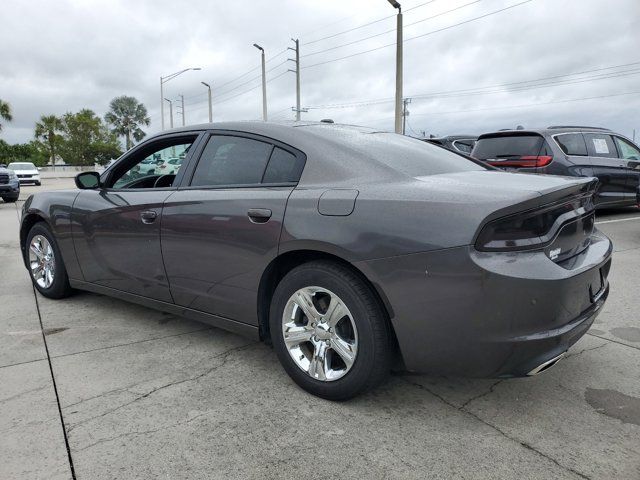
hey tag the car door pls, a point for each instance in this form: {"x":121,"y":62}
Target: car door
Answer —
{"x":116,"y":228}
{"x":221,"y":229}
{"x":630,"y":155}
{"x":610,"y":170}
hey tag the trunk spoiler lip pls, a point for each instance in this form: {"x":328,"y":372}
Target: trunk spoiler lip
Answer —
{"x":582,"y":187}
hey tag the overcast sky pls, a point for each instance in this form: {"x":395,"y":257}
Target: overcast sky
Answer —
{"x":59,"y":56}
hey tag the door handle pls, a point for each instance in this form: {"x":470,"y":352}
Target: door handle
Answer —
{"x":148,"y":216}
{"x":259,"y":215}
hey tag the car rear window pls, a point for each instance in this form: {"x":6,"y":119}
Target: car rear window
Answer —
{"x":572,"y":143}
{"x":507,"y":146}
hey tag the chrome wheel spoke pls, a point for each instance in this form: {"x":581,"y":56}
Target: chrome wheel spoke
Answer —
{"x":346,"y":350}
{"x":35,"y":248}
{"x":304,"y":301}
{"x":294,"y":335}
{"x":336,"y":312}
{"x":318,"y":365}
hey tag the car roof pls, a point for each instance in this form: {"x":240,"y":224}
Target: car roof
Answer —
{"x":552,"y":130}
{"x":451,"y":138}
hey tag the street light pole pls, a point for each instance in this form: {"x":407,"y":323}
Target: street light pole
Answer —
{"x":170,"y":112}
{"x":398,"y":111}
{"x":264,"y":83}
{"x":297,"y":72}
{"x":182,"y":103}
{"x":164,"y":80}
{"x":210,"y":101}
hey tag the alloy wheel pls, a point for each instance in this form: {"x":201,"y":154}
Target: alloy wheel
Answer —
{"x":42,"y":261}
{"x":319,"y":333}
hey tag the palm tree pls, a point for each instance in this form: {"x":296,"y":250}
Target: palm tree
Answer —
{"x":127,"y":115}
{"x":48,"y":129}
{"x":5,"y":112}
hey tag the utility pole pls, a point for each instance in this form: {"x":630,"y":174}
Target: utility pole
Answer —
{"x":182,"y":104}
{"x":398,"y":111}
{"x":170,"y":112}
{"x":634,"y":135}
{"x":210,"y":101}
{"x":164,"y":80}
{"x":297,"y":72}
{"x":264,"y":83}
{"x":405,"y":113}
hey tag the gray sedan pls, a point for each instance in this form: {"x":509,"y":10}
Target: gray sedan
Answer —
{"x":352,"y":251}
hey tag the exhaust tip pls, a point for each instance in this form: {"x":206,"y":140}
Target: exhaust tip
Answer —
{"x":546,"y":365}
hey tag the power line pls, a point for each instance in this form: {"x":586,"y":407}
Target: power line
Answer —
{"x":366,"y":24}
{"x":389,"y":31}
{"x":422,"y":35}
{"x":482,"y":89}
{"x":529,"y":104}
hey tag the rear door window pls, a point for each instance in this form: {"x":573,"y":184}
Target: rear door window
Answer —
{"x":231,"y":160}
{"x":572,"y":143}
{"x":508,"y":146}
{"x":599,"y":145}
{"x":283,"y":167}
{"x":627,"y":149}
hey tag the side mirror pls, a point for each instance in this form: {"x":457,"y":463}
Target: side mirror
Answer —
{"x":87,"y":180}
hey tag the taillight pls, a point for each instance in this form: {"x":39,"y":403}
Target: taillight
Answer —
{"x":526,"y":161}
{"x":532,"y":229}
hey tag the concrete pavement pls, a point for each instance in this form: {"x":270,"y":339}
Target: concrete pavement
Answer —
{"x":144,"y":394}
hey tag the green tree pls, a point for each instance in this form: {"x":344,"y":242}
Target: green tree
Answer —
{"x":126,"y":115}
{"x":86,"y":140}
{"x":21,"y":152}
{"x":5,"y":112}
{"x":48,"y":131}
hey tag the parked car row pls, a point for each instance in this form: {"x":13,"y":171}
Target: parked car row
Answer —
{"x":562,"y":150}
{"x":348,"y":249}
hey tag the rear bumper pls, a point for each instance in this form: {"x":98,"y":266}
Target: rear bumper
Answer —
{"x":463,"y":312}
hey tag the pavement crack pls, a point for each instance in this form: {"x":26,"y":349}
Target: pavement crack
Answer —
{"x":132,"y":343}
{"x":26,"y":392}
{"x":584,"y":350}
{"x":224,"y":355}
{"x":613,"y":341}
{"x":488,"y":392}
{"x":497,"y":429}
{"x":139,"y":433}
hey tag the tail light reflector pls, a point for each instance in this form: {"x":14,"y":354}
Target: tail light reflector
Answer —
{"x":526,"y":161}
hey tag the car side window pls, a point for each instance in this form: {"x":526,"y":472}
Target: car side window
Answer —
{"x":231,"y":160}
{"x":599,"y":145}
{"x":627,"y":149}
{"x":572,"y":143}
{"x":284,"y":167}
{"x":146,"y":168}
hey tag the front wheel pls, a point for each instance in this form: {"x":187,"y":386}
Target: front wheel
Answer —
{"x":330,"y":331}
{"x":10,"y":199}
{"x":44,"y":260}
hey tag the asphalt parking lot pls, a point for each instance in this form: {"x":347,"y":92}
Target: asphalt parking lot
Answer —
{"x":143,"y":394}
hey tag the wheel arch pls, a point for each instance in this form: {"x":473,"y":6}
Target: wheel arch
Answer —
{"x":28,"y":221}
{"x":287,"y":261}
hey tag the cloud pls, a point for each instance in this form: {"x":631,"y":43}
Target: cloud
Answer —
{"x":66,"y":55}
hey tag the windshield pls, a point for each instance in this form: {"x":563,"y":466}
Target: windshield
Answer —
{"x":22,"y":166}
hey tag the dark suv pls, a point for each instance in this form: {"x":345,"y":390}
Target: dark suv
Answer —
{"x":572,"y":151}
{"x":9,"y":185}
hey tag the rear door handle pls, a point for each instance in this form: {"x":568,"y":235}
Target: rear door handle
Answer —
{"x":259,"y":215}
{"x":148,"y":216}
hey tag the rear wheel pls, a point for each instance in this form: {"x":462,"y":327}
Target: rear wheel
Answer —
{"x":329,"y":331}
{"x":44,"y":260}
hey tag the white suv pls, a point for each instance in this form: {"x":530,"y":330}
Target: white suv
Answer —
{"x":27,"y":172}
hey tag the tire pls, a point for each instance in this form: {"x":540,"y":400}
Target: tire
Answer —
{"x":364,"y":325}
{"x":59,"y":287}
{"x":10,"y":199}
{"x":38,"y":184}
